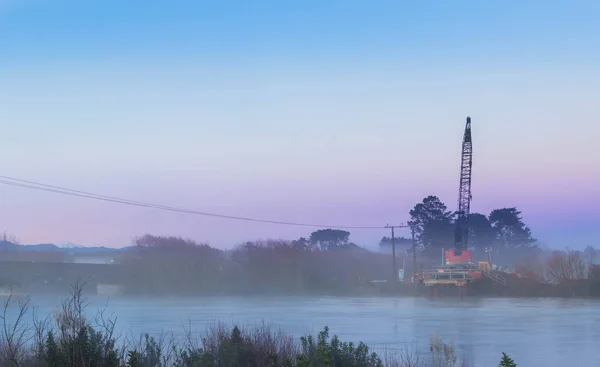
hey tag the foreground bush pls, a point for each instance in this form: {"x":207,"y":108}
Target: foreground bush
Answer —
{"x":69,"y":339}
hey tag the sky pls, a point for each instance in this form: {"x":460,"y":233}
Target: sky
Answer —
{"x":342,"y":113}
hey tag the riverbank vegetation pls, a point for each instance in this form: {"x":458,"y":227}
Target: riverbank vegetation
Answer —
{"x":175,"y":266}
{"x":325,"y":261}
{"x":178,"y":266}
{"x":69,"y":339}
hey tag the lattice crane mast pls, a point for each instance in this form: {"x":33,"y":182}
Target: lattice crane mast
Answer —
{"x":461,"y":234}
{"x":460,"y":254}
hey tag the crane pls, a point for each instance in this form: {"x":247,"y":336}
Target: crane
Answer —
{"x":458,"y":269}
{"x":460,"y":254}
{"x":461,"y":234}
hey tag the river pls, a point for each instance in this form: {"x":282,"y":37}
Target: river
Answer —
{"x":535,"y":332}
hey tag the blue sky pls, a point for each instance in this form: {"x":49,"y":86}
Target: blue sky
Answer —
{"x":342,"y":112}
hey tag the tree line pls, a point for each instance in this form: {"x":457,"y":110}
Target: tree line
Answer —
{"x":180,"y":266}
{"x":326,"y":260}
{"x":434,"y":226}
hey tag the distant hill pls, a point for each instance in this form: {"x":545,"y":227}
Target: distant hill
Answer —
{"x":71,"y":249}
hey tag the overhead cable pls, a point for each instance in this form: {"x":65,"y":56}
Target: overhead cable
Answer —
{"x":16,"y":182}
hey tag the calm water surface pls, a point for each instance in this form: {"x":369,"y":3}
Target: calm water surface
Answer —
{"x":535,"y":332}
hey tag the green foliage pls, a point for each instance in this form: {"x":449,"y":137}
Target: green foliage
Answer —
{"x":133,"y":360}
{"x":332,"y":353}
{"x":237,"y":348}
{"x":507,"y":361}
{"x":90,"y":348}
{"x":231,"y":351}
{"x":85,"y":347}
{"x":149,"y":356}
{"x":189,"y":358}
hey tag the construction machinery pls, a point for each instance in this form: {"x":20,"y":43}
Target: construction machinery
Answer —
{"x":460,"y":255}
{"x":459,"y":269}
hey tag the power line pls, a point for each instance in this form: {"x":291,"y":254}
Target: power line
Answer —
{"x":16,"y":182}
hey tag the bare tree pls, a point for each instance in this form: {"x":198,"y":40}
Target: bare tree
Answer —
{"x":532,"y":267}
{"x":565,"y":266}
{"x":442,"y":354}
{"x":408,"y":356}
{"x":9,"y":237}
{"x":14,"y":336}
{"x":41,"y":327}
{"x":590,"y":258}
{"x":158,"y":351}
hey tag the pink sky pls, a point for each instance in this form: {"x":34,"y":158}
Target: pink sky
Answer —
{"x":347,"y":113}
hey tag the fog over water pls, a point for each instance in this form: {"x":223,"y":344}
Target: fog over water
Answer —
{"x":536,"y":332}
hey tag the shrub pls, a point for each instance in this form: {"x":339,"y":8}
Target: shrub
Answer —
{"x":260,"y":348}
{"x":443,"y":354}
{"x":507,"y":361}
{"x":335,"y":353}
{"x":75,"y":342}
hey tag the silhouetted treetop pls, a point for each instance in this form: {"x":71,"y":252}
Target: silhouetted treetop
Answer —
{"x":432,"y":223}
{"x":434,"y":226}
{"x":329,"y":239}
{"x":481,"y":233}
{"x":510,"y":229}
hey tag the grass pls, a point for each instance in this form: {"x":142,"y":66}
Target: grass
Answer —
{"x":69,"y":339}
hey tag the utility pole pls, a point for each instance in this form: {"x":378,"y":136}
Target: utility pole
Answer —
{"x":443,"y":258}
{"x":394,"y":249}
{"x":414,"y":252}
{"x":489,"y":252}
